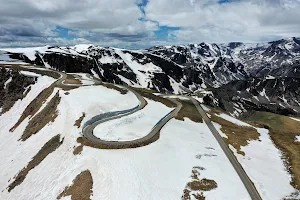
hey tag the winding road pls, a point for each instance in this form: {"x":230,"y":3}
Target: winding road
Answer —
{"x":89,"y":126}
{"x":154,"y":133}
{"x":234,"y":162}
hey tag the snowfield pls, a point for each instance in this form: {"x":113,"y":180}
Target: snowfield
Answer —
{"x":160,"y":170}
{"x":28,"y":51}
{"x":134,"y":126}
{"x":6,"y":60}
{"x":262,"y":163}
{"x":266,"y":170}
{"x":298,"y":138}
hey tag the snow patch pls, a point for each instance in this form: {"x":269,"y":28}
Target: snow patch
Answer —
{"x":233,"y":120}
{"x":261,"y":166}
{"x":30,"y":74}
{"x":7,"y":82}
{"x":134,"y":126}
{"x":296,"y":119}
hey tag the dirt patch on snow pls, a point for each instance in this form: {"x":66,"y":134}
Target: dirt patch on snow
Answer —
{"x":188,"y":110}
{"x":196,"y":186}
{"x":81,"y":188}
{"x":238,"y":136}
{"x":78,"y":150}
{"x":34,"y":106}
{"x":48,"y":114}
{"x":48,"y":148}
{"x":71,"y":80}
{"x":203,"y":184}
{"x":78,"y":121}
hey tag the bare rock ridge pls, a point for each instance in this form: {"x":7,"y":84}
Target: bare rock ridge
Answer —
{"x":228,"y":70}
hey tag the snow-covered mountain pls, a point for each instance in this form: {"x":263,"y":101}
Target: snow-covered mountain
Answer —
{"x":256,"y":59}
{"x":277,"y":95}
{"x":43,"y":114}
{"x":143,"y":68}
{"x":172,"y":68}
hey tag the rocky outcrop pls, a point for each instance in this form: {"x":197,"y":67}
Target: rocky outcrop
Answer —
{"x":280,"y":96}
{"x":13,"y":86}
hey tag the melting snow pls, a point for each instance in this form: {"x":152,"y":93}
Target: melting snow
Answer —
{"x":29,"y":51}
{"x":30,"y":74}
{"x":232,"y":119}
{"x":134,"y":126}
{"x":262,"y":161}
{"x":295,"y":119}
{"x":7,"y":82}
{"x":157,"y":171}
{"x":205,"y":108}
{"x":266,"y":170}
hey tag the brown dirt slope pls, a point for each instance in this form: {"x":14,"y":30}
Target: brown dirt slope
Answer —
{"x":111,"y":86}
{"x":238,"y":136}
{"x":78,"y":121}
{"x":149,"y":94}
{"x":188,"y":110}
{"x":34,"y":106}
{"x":49,"y":113}
{"x":283,"y":131}
{"x":48,"y":148}
{"x":81,"y":189}
{"x":71,"y":80}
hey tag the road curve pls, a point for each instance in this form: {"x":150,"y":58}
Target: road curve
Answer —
{"x":236,"y":165}
{"x":154,"y":133}
{"x":92,"y":123}
{"x":149,"y":138}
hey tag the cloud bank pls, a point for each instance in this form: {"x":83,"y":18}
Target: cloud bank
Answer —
{"x":143,"y":23}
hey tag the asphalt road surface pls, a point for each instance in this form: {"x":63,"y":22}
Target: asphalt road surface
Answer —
{"x":91,"y":124}
{"x":236,"y":165}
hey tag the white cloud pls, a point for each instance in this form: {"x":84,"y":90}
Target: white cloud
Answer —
{"x":20,"y":20}
{"x":243,"y":20}
{"x":118,"y":22}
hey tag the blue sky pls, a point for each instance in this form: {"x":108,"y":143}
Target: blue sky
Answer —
{"x":144,"y":23}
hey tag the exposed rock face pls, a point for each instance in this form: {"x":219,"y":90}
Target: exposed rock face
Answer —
{"x":175,"y":68}
{"x":209,"y":63}
{"x":68,"y":63}
{"x":280,"y":96}
{"x":262,"y":59}
{"x":13,"y":86}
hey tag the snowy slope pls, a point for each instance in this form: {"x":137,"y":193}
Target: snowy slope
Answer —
{"x":134,"y":126}
{"x":140,"y":173}
{"x":262,"y":163}
{"x":172,"y":68}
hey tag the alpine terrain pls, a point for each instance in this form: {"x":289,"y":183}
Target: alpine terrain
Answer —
{"x":198,"y":121}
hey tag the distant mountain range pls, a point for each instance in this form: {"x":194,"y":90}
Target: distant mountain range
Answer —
{"x":244,"y":71}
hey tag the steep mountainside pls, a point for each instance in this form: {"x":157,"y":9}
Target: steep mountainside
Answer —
{"x":255,"y":59}
{"x":173,"y":69}
{"x":13,"y":86}
{"x":280,"y":96}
